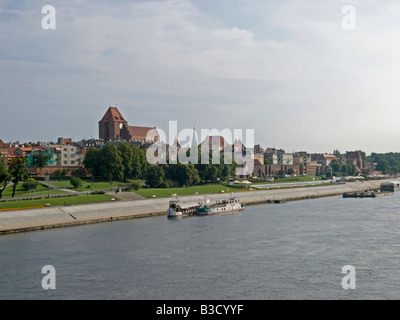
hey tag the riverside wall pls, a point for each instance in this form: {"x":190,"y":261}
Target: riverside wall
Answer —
{"x":63,"y":216}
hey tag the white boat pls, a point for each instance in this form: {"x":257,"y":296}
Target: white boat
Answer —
{"x":177,"y":209}
{"x":221,"y":206}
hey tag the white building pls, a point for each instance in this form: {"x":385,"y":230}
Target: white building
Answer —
{"x":68,"y":155}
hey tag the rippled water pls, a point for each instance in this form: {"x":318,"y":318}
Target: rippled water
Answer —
{"x":287,"y":251}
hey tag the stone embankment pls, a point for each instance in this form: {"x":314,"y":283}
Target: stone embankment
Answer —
{"x":45,"y":218}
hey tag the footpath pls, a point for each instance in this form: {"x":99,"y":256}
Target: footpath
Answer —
{"x":133,"y":206}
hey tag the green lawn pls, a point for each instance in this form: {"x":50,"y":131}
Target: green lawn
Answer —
{"x":291,"y":179}
{"x":57,"y":201}
{"x":39,"y":193}
{"x":168,"y":192}
{"x":87,"y":185}
{"x":21,"y":192}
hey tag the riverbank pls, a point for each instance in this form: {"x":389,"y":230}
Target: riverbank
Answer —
{"x":63,"y":216}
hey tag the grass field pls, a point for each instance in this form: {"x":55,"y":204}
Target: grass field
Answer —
{"x":21,"y":192}
{"x":39,"y":193}
{"x":291,"y":179}
{"x":57,"y":201}
{"x":87,"y":185}
{"x":168,"y":192}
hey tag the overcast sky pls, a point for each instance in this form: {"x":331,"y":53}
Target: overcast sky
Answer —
{"x":287,"y":69}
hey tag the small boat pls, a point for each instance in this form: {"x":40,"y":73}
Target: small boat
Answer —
{"x":220,"y":206}
{"x":177,"y":209}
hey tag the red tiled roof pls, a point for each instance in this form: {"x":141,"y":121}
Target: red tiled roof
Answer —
{"x":2,"y":144}
{"x":113,"y":115}
{"x":328,"y":156}
{"x":140,"y":132}
{"x":11,"y":150}
{"x":67,"y":141}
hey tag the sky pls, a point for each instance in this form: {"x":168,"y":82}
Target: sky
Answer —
{"x":287,"y":69}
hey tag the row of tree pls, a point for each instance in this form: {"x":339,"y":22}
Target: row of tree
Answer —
{"x":125,"y":161}
{"x":15,"y":173}
{"x":121,"y":162}
{"x":388,"y":163}
{"x":343,"y":169}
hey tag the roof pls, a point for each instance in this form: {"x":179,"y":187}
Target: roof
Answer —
{"x":25,"y":149}
{"x":331,"y":156}
{"x":67,"y":141}
{"x":140,"y":132}
{"x":113,"y":115}
{"x":2,"y":144}
{"x":219,"y":139}
{"x":189,"y":205}
{"x":353,"y":154}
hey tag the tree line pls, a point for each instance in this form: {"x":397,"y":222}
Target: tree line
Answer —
{"x":388,"y":163}
{"x":125,"y":161}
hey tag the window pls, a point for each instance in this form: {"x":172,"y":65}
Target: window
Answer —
{"x":72,"y":162}
{"x":65,"y":162}
{"x":72,"y":155}
{"x":65,"y":155}
{"x":65,"y":150}
{"x":72,"y":149}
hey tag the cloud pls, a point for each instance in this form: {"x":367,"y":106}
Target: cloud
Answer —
{"x":285,"y":68}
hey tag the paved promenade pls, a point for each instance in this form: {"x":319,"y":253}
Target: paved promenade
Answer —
{"x":36,"y":219}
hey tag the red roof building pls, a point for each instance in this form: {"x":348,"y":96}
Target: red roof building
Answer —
{"x":114,"y":127}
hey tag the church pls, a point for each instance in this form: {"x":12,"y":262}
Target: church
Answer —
{"x":114,"y":128}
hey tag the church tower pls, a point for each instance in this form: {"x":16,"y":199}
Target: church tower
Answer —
{"x":111,"y":125}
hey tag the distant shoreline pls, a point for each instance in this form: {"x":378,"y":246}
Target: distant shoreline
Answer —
{"x":55,"y":217}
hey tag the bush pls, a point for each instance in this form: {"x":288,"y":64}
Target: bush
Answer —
{"x":164,"y":184}
{"x":76,"y":182}
{"x":98,"y":192}
{"x":135,"y":186}
{"x":30,"y":184}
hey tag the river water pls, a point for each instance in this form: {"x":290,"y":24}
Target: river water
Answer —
{"x":294,"y":250}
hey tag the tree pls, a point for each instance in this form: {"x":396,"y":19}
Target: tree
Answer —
{"x":111,"y":162}
{"x":5,"y":177}
{"x":76,"y":182}
{"x":337,"y":153}
{"x":18,"y":171}
{"x":92,"y":162}
{"x":40,"y":159}
{"x":138,"y":167}
{"x":192,"y":175}
{"x":344,"y":170}
{"x":127,"y":158}
{"x":383,"y":165}
{"x":154,"y":176}
{"x":335,"y":167}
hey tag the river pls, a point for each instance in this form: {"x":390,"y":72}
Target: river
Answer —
{"x":294,"y":250}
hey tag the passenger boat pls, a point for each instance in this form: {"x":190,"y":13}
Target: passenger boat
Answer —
{"x":177,"y":209}
{"x":221,"y":206}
